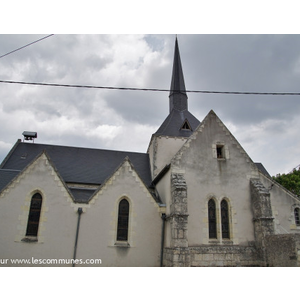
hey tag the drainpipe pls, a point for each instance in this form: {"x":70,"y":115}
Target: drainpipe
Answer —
{"x":77,"y":232}
{"x":163,"y":216}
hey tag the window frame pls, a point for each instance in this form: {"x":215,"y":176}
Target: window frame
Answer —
{"x":34,"y":215}
{"x":297,"y":216}
{"x":220,"y":151}
{"x":225,"y":219}
{"x":123,"y":217}
{"x":212,"y":219}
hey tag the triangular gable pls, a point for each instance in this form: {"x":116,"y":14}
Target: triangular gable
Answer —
{"x":53,"y":172}
{"x":109,"y":181}
{"x":199,"y":130}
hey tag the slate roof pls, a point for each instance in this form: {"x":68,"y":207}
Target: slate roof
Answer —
{"x":79,"y":165}
{"x":6,"y":176}
{"x":173,"y":123}
{"x":82,"y":195}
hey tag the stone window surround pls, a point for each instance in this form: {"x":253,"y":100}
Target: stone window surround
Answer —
{"x":294,"y":208}
{"x":293,"y":225}
{"x":34,"y":239}
{"x":220,"y":146}
{"x":219,"y":239}
{"x":117,"y":243}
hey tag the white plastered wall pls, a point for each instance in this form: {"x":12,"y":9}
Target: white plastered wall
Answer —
{"x":161,"y":151}
{"x":164,"y":190}
{"x":98,"y":229}
{"x":56,"y":234}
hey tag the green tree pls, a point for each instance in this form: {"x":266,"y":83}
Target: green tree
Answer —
{"x":290,"y":181}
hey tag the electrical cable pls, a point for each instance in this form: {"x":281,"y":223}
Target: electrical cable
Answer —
{"x":45,"y":37}
{"x":147,"y":89}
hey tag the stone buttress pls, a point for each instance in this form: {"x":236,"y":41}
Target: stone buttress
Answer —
{"x":178,"y":255}
{"x":262,"y":215}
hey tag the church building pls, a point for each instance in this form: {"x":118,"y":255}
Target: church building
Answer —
{"x":195,"y":199}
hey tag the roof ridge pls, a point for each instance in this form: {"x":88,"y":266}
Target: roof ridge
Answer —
{"x":81,"y":147}
{"x":10,"y":170}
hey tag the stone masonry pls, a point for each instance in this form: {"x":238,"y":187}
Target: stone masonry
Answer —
{"x":178,"y":253}
{"x":262,"y":215}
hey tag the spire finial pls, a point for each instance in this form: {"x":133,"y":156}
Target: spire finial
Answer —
{"x":178,"y":97}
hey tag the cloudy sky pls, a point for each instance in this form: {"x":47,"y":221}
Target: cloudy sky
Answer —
{"x":266,"y":126}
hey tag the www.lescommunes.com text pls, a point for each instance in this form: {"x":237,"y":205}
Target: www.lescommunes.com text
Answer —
{"x":49,"y":261}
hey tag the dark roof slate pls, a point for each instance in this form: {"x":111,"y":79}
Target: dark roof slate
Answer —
{"x":79,"y":165}
{"x":173,"y":123}
{"x":6,"y":176}
{"x":82,"y":195}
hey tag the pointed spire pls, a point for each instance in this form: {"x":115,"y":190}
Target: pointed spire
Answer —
{"x":178,"y":97}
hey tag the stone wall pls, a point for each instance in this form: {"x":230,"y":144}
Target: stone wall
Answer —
{"x":179,"y":216}
{"x":225,"y":256}
{"x":176,"y":257}
{"x":213,"y":256}
{"x":283,"y":250}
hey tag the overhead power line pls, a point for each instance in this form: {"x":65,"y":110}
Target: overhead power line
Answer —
{"x":144,"y":89}
{"x":45,"y":37}
{"x":298,"y":167}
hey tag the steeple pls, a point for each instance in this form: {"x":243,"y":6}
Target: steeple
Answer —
{"x":180,"y":122}
{"x":177,"y":127}
{"x":178,"y":97}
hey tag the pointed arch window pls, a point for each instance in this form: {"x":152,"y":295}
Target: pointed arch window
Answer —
{"x":212,"y":221}
{"x":123,"y":220}
{"x":297,"y":216}
{"x":225,"y":219}
{"x":34,"y":215}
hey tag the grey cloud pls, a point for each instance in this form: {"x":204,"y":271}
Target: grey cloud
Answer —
{"x":258,"y":63}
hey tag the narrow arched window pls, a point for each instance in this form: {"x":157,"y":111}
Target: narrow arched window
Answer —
{"x":123,"y":218}
{"x":225,"y":219}
{"x":297,"y":216}
{"x":34,"y":215}
{"x":212,"y":222}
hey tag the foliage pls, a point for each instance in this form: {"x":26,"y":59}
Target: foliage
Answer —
{"x":290,"y":181}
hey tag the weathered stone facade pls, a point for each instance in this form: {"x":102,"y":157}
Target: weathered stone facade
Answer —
{"x":262,"y":215}
{"x":225,"y":256}
{"x":189,"y":181}
{"x":268,"y":249}
{"x":283,"y":250}
{"x":178,"y":254}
